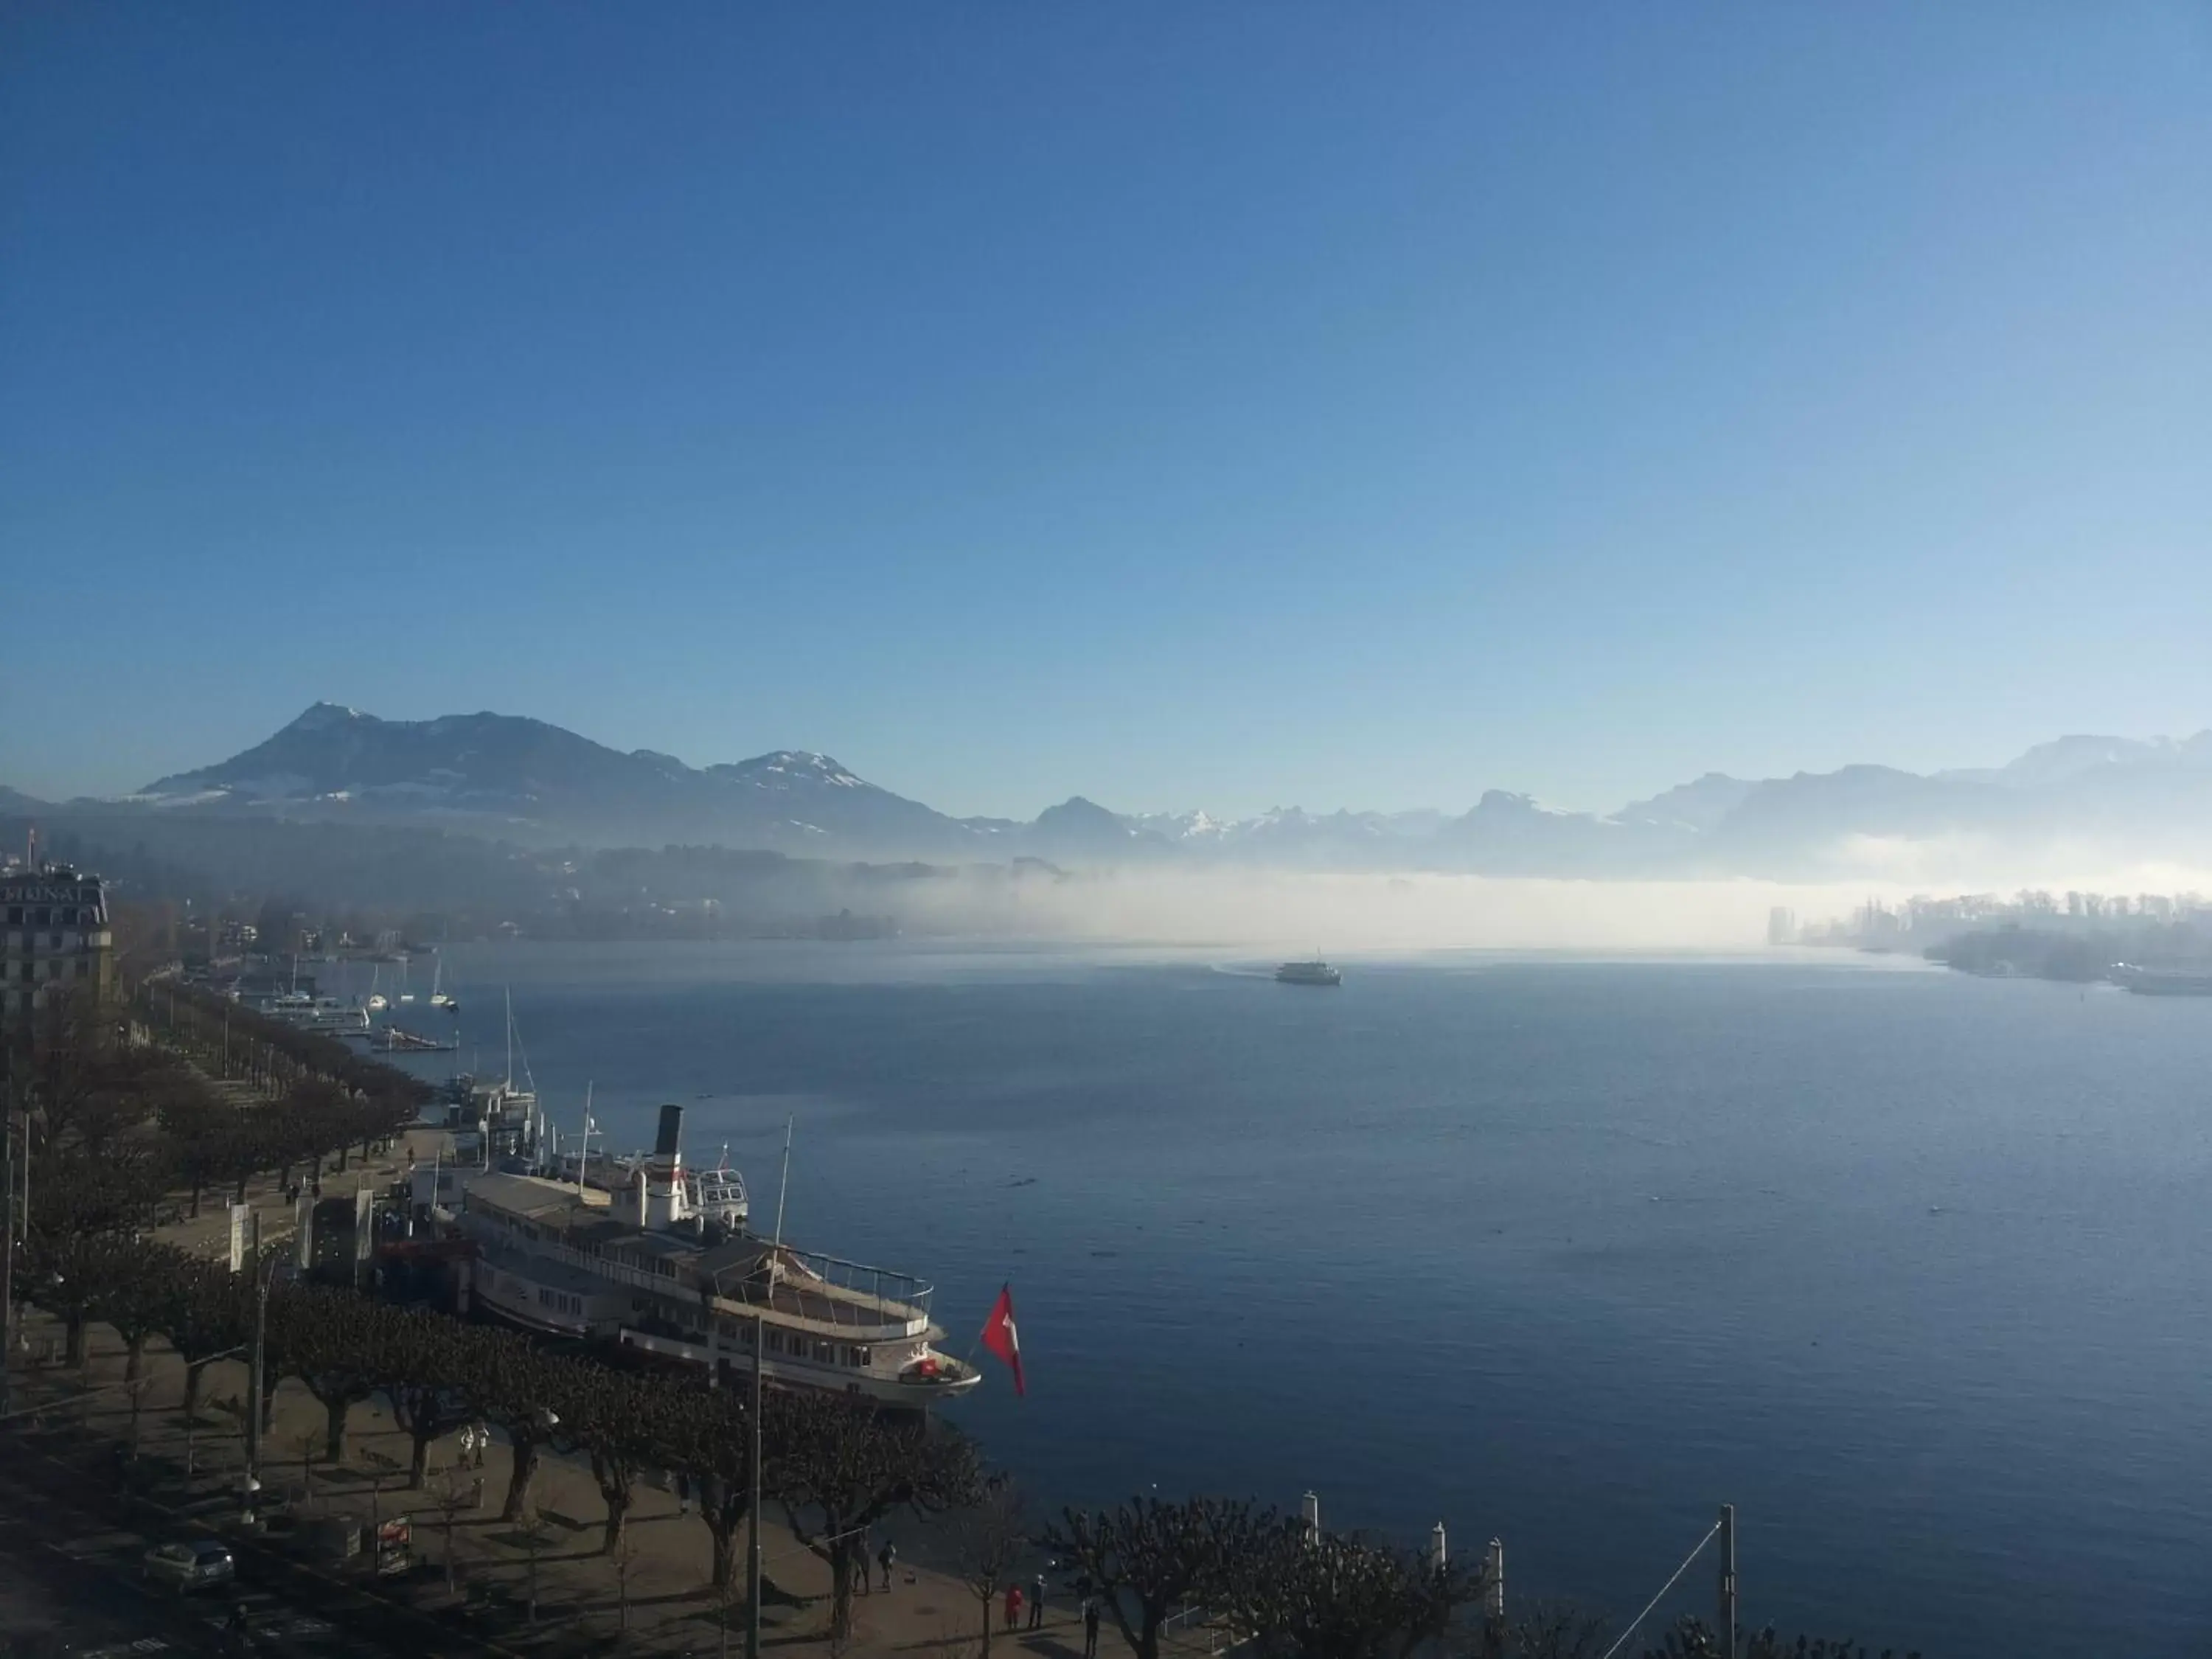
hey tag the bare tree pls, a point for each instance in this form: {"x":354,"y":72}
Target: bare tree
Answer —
{"x":1148,"y":1557}
{"x":1544,"y":1629}
{"x":451,"y":1497}
{"x":307,"y":1439}
{"x":847,"y":1464}
{"x":623,"y":1561}
{"x":987,"y":1538}
{"x":1689,"y":1639}
{"x":532,"y":1531}
{"x":1342,"y":1597}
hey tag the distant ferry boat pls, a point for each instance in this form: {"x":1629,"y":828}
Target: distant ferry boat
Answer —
{"x":1309,"y":973}
{"x":2162,"y":981}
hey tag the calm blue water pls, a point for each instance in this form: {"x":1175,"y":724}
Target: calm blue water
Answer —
{"x":1910,"y":1268}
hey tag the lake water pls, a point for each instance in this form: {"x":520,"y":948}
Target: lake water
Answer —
{"x":1910,"y":1268}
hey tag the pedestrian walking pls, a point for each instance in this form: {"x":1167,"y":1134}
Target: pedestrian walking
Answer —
{"x":884,"y":1558}
{"x":1036,"y":1603}
{"x":1089,"y":1630}
{"x":682,"y":1493}
{"x":860,"y":1559}
{"x":1013,"y":1606}
{"x":484,"y":1439}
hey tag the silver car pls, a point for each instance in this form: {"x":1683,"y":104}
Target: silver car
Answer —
{"x":190,"y":1563}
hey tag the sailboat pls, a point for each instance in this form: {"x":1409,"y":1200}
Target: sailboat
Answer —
{"x":437,"y":997}
{"x":405,"y":995}
{"x":377,"y":1001}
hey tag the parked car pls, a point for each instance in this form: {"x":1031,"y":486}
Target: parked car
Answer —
{"x":190,"y":1563}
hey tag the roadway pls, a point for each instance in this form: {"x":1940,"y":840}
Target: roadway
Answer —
{"x":71,"y":1582}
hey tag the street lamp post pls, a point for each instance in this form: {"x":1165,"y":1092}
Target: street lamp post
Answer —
{"x":752,"y":1511}
{"x":7,"y":1241}
{"x":262,"y":1273}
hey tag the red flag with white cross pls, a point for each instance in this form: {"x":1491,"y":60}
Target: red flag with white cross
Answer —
{"x":1001,"y":1337}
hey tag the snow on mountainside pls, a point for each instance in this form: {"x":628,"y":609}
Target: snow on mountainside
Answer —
{"x":532,"y":775}
{"x":2065,"y":759}
{"x":525,"y":779}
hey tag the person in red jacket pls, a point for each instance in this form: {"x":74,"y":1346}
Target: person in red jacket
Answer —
{"x":1013,"y":1606}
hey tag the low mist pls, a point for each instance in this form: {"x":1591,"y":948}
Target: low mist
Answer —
{"x":1298,"y":913}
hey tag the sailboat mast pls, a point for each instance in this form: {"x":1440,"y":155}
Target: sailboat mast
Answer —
{"x":784,"y":1185}
{"x":584,"y":1155}
{"x":775,"y":1253}
{"x":510,"y":1038}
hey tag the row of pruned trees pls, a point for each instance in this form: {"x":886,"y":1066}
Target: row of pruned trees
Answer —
{"x":832,"y":1466}
{"x":103,"y":1129}
{"x":216,"y":1144}
{"x":1263,"y":1574}
{"x":1291,"y":1593}
{"x":118,"y":1123}
{"x":229,"y":1040}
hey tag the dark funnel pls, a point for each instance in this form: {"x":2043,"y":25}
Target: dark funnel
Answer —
{"x":671,"y":1132}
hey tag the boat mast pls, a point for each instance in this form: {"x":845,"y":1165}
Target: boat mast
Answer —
{"x":782,"y":1186}
{"x":509,"y":992}
{"x":584,"y":1155}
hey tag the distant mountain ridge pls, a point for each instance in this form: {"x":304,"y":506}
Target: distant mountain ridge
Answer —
{"x":525,"y":776}
{"x":526,"y":781}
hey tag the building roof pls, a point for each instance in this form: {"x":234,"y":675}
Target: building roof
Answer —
{"x":534,"y":1198}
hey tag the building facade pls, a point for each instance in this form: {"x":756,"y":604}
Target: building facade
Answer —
{"x":54,"y":941}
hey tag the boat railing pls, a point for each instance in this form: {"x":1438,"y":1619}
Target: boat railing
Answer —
{"x":861,"y":1315}
{"x":840,"y":1298}
{"x":855,"y":1285}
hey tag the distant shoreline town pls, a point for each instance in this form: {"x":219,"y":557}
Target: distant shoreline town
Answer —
{"x":2153,"y":942}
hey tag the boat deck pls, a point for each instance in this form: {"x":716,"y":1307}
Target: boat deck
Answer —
{"x":745,"y":1274}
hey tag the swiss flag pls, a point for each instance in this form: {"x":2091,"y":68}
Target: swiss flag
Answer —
{"x":1001,"y":1337}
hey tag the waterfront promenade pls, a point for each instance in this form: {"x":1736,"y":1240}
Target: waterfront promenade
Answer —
{"x":472,"y":1581}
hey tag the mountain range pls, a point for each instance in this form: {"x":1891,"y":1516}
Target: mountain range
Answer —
{"x":525,"y":780}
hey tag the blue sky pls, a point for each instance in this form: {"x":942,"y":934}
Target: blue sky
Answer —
{"x":1226,"y":405}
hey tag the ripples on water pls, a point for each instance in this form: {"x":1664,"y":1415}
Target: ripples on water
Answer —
{"x":1908,"y":1266}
